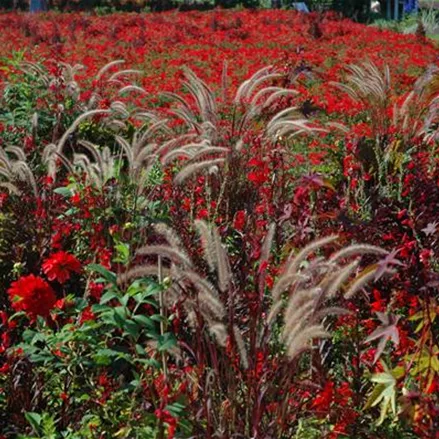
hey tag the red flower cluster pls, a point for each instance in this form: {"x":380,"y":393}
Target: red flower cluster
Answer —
{"x":60,"y":265}
{"x":33,"y":295}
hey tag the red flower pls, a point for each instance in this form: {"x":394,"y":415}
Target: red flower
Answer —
{"x":3,"y":198}
{"x":87,"y":315}
{"x":33,"y":295}
{"x":59,"y":266}
{"x":203,"y":213}
{"x":239,"y":221}
{"x":323,"y":401}
{"x":95,"y":290}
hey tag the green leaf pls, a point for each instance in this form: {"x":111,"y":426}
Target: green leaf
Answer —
{"x":120,"y":315}
{"x":384,"y":393}
{"x":108,"y":275}
{"x":34,"y":420}
{"x":140,"y":349}
{"x":158,"y":318}
{"x":103,"y":357}
{"x":64,"y":191}
{"x":144,"y":321}
{"x":109,"y":295}
{"x":131,"y":328}
{"x":176,"y":409}
{"x":125,"y":299}
{"x":384,"y":378}
{"x":123,"y":253}
{"x":166,"y":342}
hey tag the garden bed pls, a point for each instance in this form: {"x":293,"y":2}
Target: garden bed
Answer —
{"x":217,"y":224}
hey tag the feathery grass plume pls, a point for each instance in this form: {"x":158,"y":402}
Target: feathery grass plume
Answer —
{"x":222,"y":262}
{"x":69,"y":71}
{"x":107,"y":67}
{"x":299,"y":308}
{"x":34,"y":124}
{"x":311,"y":286}
{"x":219,"y":331}
{"x":10,"y":187}
{"x":357,"y":250}
{"x":175,"y":255}
{"x":139,"y":272}
{"x":294,"y":261}
{"x":197,"y":280}
{"x":188,"y":150}
{"x":267,"y":243}
{"x":365,"y":83}
{"x":339,"y":278}
{"x":301,"y":342}
{"x":282,"y":125}
{"x":170,"y":236}
{"x":115,"y":76}
{"x":68,"y":76}
{"x":284,"y":283}
{"x":194,"y":168}
{"x":275,"y":309}
{"x":241,"y":347}
{"x":202,"y":117}
{"x":176,"y":142}
{"x":120,"y":108}
{"x":50,"y":157}
{"x":367,"y":275}
{"x":75,"y":125}
{"x":203,"y":96}
{"x":215,"y":254}
{"x":37,"y":71}
{"x":141,"y":153}
{"x":16,"y":169}
{"x":207,"y":243}
{"x":246,"y":89}
{"x":212,"y":307}
{"x":414,"y":117}
{"x":132,"y":88}
{"x":113,"y":117}
{"x":101,"y":170}
{"x":94,"y":151}
{"x":208,"y":296}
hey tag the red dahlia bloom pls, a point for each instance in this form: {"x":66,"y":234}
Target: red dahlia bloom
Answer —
{"x":33,"y":295}
{"x":60,"y":265}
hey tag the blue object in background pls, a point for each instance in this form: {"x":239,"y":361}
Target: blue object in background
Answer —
{"x":38,"y":5}
{"x":410,"y":6}
{"x":300,"y":6}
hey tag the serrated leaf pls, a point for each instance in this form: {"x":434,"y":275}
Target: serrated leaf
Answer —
{"x":383,"y":378}
{"x":387,"y":331}
{"x":384,"y":392}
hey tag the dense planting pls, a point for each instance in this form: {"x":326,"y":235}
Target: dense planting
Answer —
{"x":231,"y":233}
